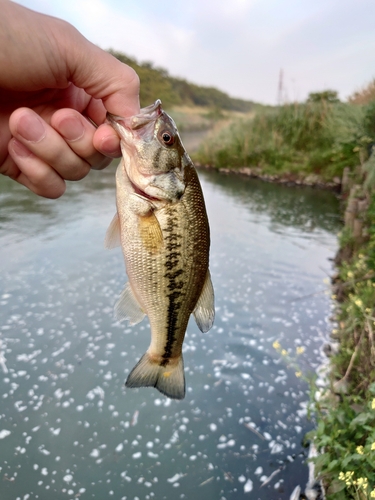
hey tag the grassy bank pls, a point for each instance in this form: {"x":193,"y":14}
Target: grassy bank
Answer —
{"x":293,"y":141}
{"x":345,"y":434}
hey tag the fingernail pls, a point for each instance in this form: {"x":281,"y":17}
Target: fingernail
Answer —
{"x":110,"y":146}
{"x":20,"y":149}
{"x":71,"y":128}
{"x":31,"y":128}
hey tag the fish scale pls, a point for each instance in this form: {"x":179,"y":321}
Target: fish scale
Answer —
{"x":162,"y":224}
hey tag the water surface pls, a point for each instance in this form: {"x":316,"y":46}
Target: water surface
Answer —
{"x":69,"y":428}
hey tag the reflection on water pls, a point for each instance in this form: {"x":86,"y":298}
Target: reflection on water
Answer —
{"x":69,"y":428}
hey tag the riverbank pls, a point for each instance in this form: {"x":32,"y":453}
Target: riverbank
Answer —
{"x":287,"y":178}
{"x":345,"y":409}
{"x":309,"y":143}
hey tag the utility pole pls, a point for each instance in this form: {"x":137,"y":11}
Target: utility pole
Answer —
{"x":280,"y":92}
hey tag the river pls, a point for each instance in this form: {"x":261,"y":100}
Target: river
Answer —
{"x":69,"y":428}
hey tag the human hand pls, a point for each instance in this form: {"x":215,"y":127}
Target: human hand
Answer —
{"x":52,"y":82}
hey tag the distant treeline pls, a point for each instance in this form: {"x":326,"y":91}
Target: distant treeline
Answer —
{"x":156,"y":83}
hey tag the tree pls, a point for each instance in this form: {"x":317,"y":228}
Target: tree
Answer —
{"x":325,"y":95}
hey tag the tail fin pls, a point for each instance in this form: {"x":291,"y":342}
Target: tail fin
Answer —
{"x":169,"y":379}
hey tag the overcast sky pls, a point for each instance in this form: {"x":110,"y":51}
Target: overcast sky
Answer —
{"x":238,"y":46}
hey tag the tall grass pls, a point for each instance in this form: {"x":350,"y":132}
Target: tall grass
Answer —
{"x":319,"y":138}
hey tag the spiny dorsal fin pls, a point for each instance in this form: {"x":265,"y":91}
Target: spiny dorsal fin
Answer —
{"x":113,"y":234}
{"x":128,"y":307}
{"x":204,"y":312}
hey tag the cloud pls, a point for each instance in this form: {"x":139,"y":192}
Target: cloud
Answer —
{"x":239,"y":46}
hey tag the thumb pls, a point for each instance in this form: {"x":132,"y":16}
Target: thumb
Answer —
{"x":104,"y":77}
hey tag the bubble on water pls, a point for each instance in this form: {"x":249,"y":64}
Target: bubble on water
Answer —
{"x":275,"y":447}
{"x":213,"y":427}
{"x":119,"y":448}
{"x":248,"y":486}
{"x":68,"y":478}
{"x":125,"y":476}
{"x":95,"y":453}
{"x":44,"y":471}
{"x":43,"y":450}
{"x":137,"y":455}
{"x":175,"y":478}
{"x":4,"y":433}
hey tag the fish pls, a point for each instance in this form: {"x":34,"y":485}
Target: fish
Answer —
{"x":162,"y":226}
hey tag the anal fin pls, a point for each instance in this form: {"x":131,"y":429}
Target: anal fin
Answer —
{"x":128,"y":307}
{"x":204,"y":312}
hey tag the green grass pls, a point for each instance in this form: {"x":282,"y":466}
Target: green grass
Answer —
{"x":320,"y":138}
{"x":345,"y":434}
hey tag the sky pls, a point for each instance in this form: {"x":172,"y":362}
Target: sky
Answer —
{"x":237,"y":46}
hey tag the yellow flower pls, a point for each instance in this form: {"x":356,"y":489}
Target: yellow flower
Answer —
{"x":358,"y":303}
{"x":300,"y":349}
{"x":342,"y":476}
{"x":359,"y":450}
{"x":373,"y":447}
{"x":333,"y":297}
{"x":362,"y":482}
{"x":350,"y":274}
{"x":284,"y":352}
{"x":373,"y":404}
{"x":372,"y":494}
{"x":298,"y":374}
{"x":276,"y":344}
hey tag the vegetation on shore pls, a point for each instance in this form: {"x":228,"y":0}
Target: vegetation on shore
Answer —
{"x":345,"y":409}
{"x":319,"y":137}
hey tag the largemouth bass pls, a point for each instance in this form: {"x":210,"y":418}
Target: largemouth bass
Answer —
{"x":161,"y":224}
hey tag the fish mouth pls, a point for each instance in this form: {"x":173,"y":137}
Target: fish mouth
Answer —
{"x":146,"y":115}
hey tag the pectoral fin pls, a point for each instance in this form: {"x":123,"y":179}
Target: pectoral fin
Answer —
{"x":128,"y":307}
{"x":150,"y":232}
{"x":204,"y":312}
{"x":113,"y":235}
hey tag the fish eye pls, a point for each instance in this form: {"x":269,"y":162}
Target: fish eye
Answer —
{"x":168,"y":138}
